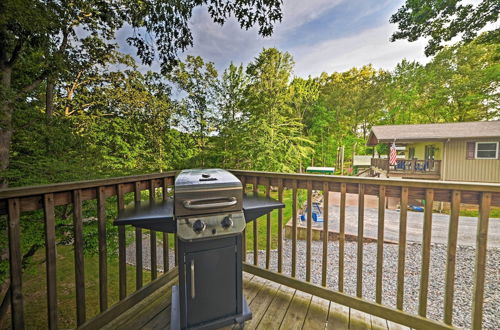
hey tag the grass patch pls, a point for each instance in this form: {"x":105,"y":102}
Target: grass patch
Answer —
{"x":262,"y":221}
{"x":494,"y":212}
{"x":35,"y":296}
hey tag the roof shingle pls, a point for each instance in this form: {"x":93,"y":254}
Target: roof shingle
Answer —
{"x":434,"y":132}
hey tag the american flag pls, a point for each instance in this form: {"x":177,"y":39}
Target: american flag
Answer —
{"x":392,"y":155}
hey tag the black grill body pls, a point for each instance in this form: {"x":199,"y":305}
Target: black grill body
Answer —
{"x":208,"y":213}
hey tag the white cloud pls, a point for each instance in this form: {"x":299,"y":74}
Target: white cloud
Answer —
{"x":297,"y":12}
{"x":223,"y":44}
{"x":370,"y":46}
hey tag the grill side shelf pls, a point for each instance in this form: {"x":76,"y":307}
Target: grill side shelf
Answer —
{"x":158,"y":215}
{"x":255,"y":207}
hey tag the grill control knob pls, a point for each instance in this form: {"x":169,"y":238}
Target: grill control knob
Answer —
{"x":198,"y":226}
{"x":227,"y":222}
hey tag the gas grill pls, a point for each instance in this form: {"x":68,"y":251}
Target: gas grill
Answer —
{"x":209,"y":213}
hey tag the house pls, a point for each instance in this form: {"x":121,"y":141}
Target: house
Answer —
{"x":466,"y":151}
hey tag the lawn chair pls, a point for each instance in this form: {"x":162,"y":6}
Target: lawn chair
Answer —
{"x":317,"y":214}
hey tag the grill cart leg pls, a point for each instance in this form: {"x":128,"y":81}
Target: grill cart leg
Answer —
{"x":175,"y":312}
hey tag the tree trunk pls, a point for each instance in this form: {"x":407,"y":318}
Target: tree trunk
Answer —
{"x":6,"y":109}
{"x":49,"y":97}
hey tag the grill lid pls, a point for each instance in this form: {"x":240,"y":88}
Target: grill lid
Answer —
{"x":193,"y":180}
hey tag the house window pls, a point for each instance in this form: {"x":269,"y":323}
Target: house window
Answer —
{"x":411,"y":152}
{"x":487,"y":150}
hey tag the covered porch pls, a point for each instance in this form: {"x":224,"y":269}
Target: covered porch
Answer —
{"x":408,"y":168}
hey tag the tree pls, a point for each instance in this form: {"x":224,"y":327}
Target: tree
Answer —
{"x":349,"y":104}
{"x":274,"y":132}
{"x":36,"y":38}
{"x":231,"y":93}
{"x":442,"y":20}
{"x":460,"y":84}
{"x":403,"y":94}
{"x":198,"y":80}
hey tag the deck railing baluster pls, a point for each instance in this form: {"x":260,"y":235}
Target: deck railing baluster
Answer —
{"x":294,"y":228}
{"x":268,"y":228}
{"x":165,"y":247}
{"x":152,"y":234}
{"x":380,"y":244}
{"x":138,"y":242}
{"x":79,"y":261}
{"x":309,"y":231}
{"x":450,"y":260}
{"x":426,"y":253}
{"x":325,"y":233}
{"x":403,"y":213}
{"x":255,"y":226}
{"x":244,"y":234}
{"x":343,"y":191}
{"x":480,"y":262}
{"x":122,"y":254}
{"x":280,"y":227}
{"x":15,"y":264}
{"x":361,"y":218}
{"x":166,"y":260}
{"x":103,"y":259}
{"x":50,"y":259}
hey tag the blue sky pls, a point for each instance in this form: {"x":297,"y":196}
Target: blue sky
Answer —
{"x":321,"y":35}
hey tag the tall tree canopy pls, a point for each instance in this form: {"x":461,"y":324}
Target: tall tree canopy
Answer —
{"x":440,"y":21}
{"x":38,"y":39}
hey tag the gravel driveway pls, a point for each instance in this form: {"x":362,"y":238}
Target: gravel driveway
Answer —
{"x":415,"y":220}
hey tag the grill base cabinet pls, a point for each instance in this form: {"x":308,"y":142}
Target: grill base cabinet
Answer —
{"x":210,"y":285}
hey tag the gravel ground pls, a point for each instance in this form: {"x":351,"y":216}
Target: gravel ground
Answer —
{"x":463,"y":280}
{"x":463,"y":283}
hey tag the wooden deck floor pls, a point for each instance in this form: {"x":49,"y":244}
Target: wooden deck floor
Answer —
{"x":273,"y":306}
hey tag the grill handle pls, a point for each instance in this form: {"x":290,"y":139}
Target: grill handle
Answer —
{"x":188,"y":203}
{"x":193,"y":294}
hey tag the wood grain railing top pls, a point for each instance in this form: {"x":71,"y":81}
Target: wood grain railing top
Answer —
{"x":66,"y":186}
{"x":396,"y":182}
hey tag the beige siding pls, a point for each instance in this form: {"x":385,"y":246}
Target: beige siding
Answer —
{"x":458,"y":168}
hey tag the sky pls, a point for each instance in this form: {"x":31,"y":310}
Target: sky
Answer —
{"x":321,"y":35}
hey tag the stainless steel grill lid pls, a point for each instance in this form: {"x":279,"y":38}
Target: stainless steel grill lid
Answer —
{"x":205,"y":179}
{"x":202,"y":191}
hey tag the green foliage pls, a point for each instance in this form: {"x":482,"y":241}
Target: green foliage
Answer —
{"x":349,"y":104}
{"x":440,"y":21}
{"x":198,"y":80}
{"x":276,"y":142}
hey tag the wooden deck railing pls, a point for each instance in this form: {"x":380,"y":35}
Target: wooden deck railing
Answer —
{"x":15,"y":201}
{"x":483,"y":195}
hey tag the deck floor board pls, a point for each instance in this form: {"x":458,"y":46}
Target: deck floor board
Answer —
{"x":260,"y":304}
{"x":273,"y":306}
{"x":297,"y":311}
{"x":278,"y":308}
